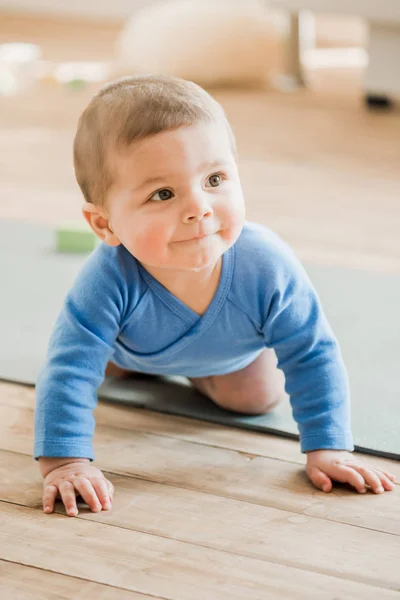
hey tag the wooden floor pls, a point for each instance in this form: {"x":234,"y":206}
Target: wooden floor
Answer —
{"x":205,"y":512}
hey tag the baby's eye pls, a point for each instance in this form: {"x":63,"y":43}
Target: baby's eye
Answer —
{"x":215,"y":179}
{"x":163,"y":195}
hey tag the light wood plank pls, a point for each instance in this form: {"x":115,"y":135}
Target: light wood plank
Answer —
{"x":225,"y":473}
{"x":153,"y":565}
{"x":243,"y":528}
{"x":19,"y":582}
{"x":201,"y":432}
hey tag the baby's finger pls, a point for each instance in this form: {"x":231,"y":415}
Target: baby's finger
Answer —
{"x":102,"y":487}
{"x":389,"y":476}
{"x":387,"y":484}
{"x":89,"y":495}
{"x":377,"y":479}
{"x":370,"y":477}
{"x":349,"y":475}
{"x":68,"y":497}
{"x":320,"y":479}
{"x":385,"y":481}
{"x":49,"y":496}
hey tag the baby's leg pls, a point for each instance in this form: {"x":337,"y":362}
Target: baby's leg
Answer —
{"x":254,"y":390}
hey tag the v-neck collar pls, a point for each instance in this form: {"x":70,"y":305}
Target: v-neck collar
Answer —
{"x":180,"y":308}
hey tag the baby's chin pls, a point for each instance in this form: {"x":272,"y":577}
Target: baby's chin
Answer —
{"x":192,"y":263}
{"x":190,"y":266}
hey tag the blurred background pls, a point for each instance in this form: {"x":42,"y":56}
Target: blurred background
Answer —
{"x":311,"y":89}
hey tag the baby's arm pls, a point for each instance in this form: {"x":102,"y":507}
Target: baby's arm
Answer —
{"x":316,"y":379}
{"x":309,"y":355}
{"x":79,"y":349}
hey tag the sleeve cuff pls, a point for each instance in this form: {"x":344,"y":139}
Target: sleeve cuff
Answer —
{"x":327,"y":441}
{"x":62,"y":449}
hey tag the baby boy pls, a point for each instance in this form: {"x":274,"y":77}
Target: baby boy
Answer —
{"x":183,"y":285}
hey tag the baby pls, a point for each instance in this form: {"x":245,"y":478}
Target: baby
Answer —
{"x":183,"y":285}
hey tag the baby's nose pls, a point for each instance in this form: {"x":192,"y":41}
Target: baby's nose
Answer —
{"x":196,"y":209}
{"x":198,"y":217}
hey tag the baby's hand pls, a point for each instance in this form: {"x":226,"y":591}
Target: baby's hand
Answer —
{"x":89,"y":482}
{"x":323,"y":466}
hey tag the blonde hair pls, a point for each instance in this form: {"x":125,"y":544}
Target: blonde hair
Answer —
{"x":131,"y":109}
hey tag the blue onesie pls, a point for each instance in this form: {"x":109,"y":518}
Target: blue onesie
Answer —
{"x":117,"y":311}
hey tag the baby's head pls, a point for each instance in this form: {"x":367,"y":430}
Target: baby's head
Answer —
{"x":155,"y":158}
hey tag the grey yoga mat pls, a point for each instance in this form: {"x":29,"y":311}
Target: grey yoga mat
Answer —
{"x":362,"y":308}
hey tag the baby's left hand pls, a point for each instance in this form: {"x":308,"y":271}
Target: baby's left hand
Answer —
{"x":323,"y":466}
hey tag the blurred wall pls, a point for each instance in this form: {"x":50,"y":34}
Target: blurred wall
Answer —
{"x":102,"y":9}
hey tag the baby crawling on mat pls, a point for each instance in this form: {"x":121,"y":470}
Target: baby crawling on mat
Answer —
{"x":183,"y":285}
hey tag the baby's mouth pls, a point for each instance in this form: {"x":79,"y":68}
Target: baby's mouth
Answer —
{"x":199,"y":236}
{"x":196,"y":237}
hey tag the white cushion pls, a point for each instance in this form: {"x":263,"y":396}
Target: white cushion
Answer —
{"x":209,"y":42}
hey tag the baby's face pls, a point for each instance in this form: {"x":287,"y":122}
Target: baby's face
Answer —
{"x":177,"y":201}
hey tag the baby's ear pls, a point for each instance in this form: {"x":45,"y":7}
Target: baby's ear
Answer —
{"x":98,"y":220}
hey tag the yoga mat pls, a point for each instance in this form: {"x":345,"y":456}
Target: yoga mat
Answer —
{"x":362,"y":307}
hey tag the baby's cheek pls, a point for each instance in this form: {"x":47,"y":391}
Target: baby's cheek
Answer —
{"x":232,"y":218}
{"x":151,"y":242}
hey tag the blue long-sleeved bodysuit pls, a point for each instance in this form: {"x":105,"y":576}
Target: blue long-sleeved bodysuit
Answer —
{"x":117,"y":311}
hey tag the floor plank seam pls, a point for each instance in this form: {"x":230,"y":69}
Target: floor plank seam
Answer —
{"x":266,"y":506}
{"x":197,"y":443}
{"x":276,"y":506}
{"x":15,"y":562}
{"x":362,"y":580}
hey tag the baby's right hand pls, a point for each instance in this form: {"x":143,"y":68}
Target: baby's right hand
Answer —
{"x":90,"y":483}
